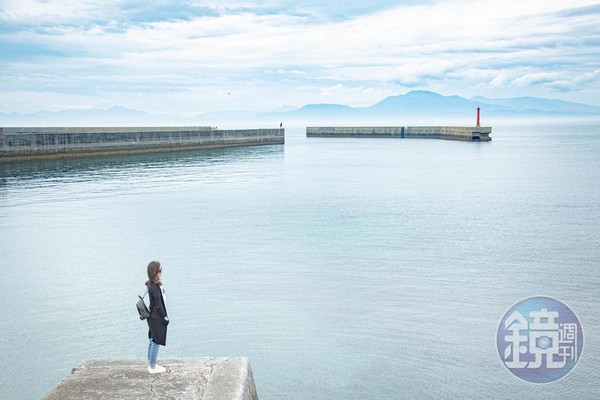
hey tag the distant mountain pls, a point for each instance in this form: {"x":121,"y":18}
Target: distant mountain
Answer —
{"x":430,"y":104}
{"x":315,"y":110}
{"x":415,"y":105}
{"x":421,"y":100}
{"x":114,"y":116}
{"x":535,"y":104}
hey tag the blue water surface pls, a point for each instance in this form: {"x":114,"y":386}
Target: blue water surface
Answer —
{"x":343,"y":268}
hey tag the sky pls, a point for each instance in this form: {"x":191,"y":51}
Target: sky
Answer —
{"x":192,"y":57}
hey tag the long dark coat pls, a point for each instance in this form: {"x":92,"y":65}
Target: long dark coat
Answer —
{"x":157,"y":326}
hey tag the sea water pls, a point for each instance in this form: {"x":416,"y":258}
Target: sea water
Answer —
{"x":343,"y":268}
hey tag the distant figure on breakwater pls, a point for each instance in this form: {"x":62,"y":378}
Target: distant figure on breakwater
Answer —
{"x":158,"y":320}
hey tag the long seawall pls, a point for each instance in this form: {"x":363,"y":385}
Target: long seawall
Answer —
{"x":464,"y":133}
{"x":31,"y":143}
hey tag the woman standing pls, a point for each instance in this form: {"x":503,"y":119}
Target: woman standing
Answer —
{"x":158,"y":320}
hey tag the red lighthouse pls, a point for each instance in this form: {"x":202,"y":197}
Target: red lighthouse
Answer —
{"x":478,"y":122}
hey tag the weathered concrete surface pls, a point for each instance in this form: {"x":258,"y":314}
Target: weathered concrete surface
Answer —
{"x":186,"y":378}
{"x":464,"y":133}
{"x":43,"y":142}
{"x":351,"y":131}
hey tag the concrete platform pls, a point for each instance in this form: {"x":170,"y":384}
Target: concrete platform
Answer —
{"x":463,"y":133}
{"x":22,"y":144}
{"x":186,"y":378}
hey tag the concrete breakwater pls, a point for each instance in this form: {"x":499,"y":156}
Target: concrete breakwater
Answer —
{"x":186,"y":378}
{"x":31,"y":143}
{"x":464,"y":133}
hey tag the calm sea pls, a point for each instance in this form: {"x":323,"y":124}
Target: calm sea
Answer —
{"x":343,"y":268}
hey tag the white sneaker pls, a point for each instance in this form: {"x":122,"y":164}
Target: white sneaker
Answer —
{"x":157,"y":369}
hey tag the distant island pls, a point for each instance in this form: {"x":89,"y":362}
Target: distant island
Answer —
{"x":424,"y":103}
{"x":414,"y":104}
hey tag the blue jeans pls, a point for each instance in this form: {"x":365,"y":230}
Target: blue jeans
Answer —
{"x":152,"y":352}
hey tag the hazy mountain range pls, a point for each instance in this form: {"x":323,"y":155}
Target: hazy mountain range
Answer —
{"x":413,"y":105}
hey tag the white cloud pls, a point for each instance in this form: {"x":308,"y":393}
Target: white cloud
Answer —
{"x":560,"y":80}
{"x":537,"y":78}
{"x":510,"y":45}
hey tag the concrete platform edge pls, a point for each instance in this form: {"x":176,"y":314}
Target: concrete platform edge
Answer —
{"x":186,"y":378}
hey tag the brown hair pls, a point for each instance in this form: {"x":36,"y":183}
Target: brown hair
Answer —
{"x":153,"y":270}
